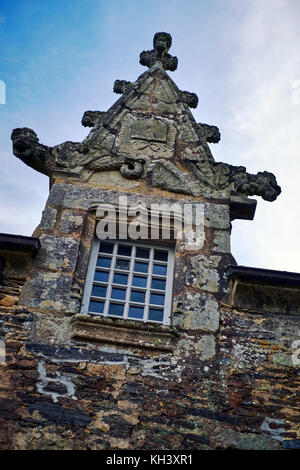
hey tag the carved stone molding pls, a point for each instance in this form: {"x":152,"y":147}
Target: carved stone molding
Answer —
{"x":123,"y":333}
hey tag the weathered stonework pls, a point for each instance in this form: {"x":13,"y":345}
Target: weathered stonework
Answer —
{"x":223,"y":374}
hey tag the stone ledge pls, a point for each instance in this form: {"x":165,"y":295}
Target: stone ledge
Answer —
{"x":121,"y":332}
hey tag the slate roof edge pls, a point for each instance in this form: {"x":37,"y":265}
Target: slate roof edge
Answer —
{"x":19,"y":242}
{"x":262,"y":275}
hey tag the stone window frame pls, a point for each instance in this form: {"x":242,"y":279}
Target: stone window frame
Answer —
{"x":168,"y":292}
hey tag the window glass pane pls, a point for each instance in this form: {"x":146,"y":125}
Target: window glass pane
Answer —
{"x":116,"y":309}
{"x":136,"y":312}
{"x":155,"y":314}
{"x":101,"y":276}
{"x":139,"y":281}
{"x":118,"y":293}
{"x":141,"y":267}
{"x":124,"y":250}
{"x":106,"y":247}
{"x":103,"y":262}
{"x":99,"y":291}
{"x":96,"y":307}
{"x":158,"y":269}
{"x":160,"y":255}
{"x":137,"y":296}
{"x":158,"y":284}
{"x":142,"y":253}
{"x":120,"y":278}
{"x":122,"y":264}
{"x":157,"y":299}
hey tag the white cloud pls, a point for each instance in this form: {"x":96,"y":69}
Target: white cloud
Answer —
{"x":263,"y":130}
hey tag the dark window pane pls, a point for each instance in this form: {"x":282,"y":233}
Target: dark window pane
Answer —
{"x":142,"y":253}
{"x":124,"y":250}
{"x":161,"y":270}
{"x":137,"y":296}
{"x":141,"y":267}
{"x":160,"y":255}
{"x":101,"y":276}
{"x":99,"y":291}
{"x":158,"y":284}
{"x":136,"y":312}
{"x":157,"y":299}
{"x":116,"y":309}
{"x":122,"y":264}
{"x":139,"y":281}
{"x":120,"y":278}
{"x":156,"y":315}
{"x":96,"y":307}
{"x":118,"y":293}
{"x":103,"y":262}
{"x":106,"y":247}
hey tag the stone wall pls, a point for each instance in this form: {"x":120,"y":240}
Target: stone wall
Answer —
{"x":221,"y":376}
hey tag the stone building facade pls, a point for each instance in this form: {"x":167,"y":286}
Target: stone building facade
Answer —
{"x":204,"y":357}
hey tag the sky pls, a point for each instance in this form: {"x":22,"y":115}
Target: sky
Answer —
{"x":60,"y":58}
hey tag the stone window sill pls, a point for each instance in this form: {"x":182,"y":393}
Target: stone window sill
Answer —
{"x":127,"y":333}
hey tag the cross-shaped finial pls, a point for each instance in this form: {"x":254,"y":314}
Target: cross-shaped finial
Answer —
{"x":161,"y":44}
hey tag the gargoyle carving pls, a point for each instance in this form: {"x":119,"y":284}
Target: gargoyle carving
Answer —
{"x":26,"y":146}
{"x":42,"y":158}
{"x":262,"y":184}
{"x":161,"y":44}
{"x":91,"y":118}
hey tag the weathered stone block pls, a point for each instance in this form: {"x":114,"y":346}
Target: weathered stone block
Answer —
{"x":71,"y":222}
{"x":48,"y":218}
{"x":217,"y":216}
{"x":199,"y":312}
{"x":222,"y":241}
{"x":49,"y":291}
{"x":203,"y":272}
{"x":57,"y":253}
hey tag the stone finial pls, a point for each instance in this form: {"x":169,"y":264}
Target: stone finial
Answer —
{"x":161,"y":44}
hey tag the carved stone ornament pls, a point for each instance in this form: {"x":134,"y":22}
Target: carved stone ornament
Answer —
{"x":91,"y":118}
{"x":161,"y":44}
{"x":147,"y":137}
{"x":148,"y":133}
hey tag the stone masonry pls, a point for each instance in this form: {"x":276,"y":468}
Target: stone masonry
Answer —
{"x":224,"y":374}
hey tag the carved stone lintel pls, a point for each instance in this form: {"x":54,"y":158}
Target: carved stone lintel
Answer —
{"x":161,"y":44}
{"x":122,"y":86}
{"x":91,"y":118}
{"x":191,"y":99}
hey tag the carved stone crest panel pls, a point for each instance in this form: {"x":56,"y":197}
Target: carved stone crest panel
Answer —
{"x":147,"y":137}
